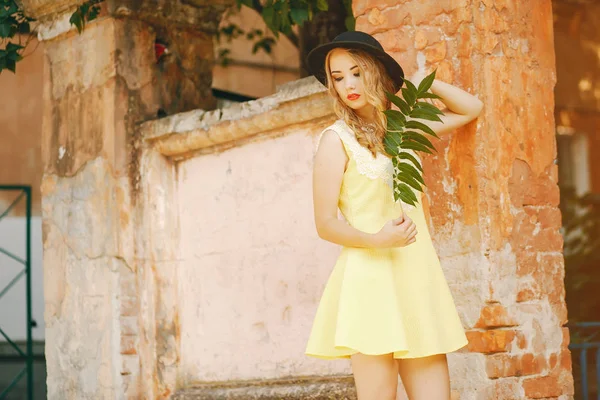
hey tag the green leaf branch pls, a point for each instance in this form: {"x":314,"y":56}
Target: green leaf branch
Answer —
{"x":88,"y":11}
{"x":404,"y":133}
{"x":16,"y":32}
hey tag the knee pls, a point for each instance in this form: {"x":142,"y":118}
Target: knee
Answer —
{"x":383,"y":390}
{"x":388,"y":391}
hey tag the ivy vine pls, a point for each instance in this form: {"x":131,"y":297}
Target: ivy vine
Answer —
{"x":16,"y":31}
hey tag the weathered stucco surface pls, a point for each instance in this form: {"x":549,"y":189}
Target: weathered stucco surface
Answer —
{"x":191,"y":257}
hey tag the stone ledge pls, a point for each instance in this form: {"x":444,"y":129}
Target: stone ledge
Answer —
{"x":306,"y":388}
{"x":182,"y":135}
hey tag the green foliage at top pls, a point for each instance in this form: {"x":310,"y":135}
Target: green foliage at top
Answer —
{"x":88,"y":11}
{"x":12,"y":23}
{"x":404,"y":133}
{"x":16,"y":31}
{"x":281,"y":15}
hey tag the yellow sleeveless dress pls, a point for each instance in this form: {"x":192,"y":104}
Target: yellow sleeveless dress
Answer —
{"x":381,"y":301}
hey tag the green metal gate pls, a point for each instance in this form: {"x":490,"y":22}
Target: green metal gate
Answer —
{"x":24,"y":356}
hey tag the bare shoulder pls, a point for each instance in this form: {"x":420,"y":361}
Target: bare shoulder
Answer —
{"x":330,"y":139}
{"x":331,"y":149}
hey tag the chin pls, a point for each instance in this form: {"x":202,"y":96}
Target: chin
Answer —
{"x":355,"y":105}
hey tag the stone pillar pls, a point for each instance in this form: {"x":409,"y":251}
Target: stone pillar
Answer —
{"x":492,"y":187}
{"x":109,"y":236}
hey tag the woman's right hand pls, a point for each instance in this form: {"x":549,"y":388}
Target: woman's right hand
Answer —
{"x":399,"y":232}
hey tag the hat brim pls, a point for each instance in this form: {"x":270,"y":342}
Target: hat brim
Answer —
{"x":316,"y":60}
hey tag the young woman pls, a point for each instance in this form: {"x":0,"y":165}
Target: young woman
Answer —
{"x":386,"y":305}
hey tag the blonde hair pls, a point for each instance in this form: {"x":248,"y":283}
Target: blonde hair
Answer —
{"x":376,"y":81}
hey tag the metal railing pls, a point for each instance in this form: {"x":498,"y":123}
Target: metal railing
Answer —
{"x":25,"y":356}
{"x":589,"y":343}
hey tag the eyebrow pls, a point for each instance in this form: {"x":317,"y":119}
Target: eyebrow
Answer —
{"x":339,"y":72}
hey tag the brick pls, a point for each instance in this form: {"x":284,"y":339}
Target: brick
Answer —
{"x":436,"y":53}
{"x":128,"y":344}
{"x":420,"y":39}
{"x":525,"y":188}
{"x":129,"y":306}
{"x":527,"y":294}
{"x":464,"y":42}
{"x":548,"y":386}
{"x":359,"y":7}
{"x":494,"y":316}
{"x":503,"y":389}
{"x":549,"y":217}
{"x":376,"y":18}
{"x":129,"y":325}
{"x":506,"y":365}
{"x":527,"y":263}
{"x":492,"y":341}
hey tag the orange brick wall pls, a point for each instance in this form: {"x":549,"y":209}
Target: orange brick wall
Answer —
{"x":492,"y":186}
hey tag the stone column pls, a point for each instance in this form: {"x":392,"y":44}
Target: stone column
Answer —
{"x":110,"y":236}
{"x":492,"y":187}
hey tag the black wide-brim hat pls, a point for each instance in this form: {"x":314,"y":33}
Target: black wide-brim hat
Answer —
{"x":354,"y":40}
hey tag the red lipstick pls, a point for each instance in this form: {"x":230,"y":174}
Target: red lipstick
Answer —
{"x":353,"y":96}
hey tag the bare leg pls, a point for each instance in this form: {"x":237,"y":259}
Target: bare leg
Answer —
{"x":425,"y":378}
{"x":376,"y":377}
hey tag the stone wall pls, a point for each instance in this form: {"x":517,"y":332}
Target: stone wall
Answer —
{"x":493,"y":186}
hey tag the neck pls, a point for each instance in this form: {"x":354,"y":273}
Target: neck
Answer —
{"x":366,"y":114}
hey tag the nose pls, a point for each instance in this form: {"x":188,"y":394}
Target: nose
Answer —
{"x":351,"y":83}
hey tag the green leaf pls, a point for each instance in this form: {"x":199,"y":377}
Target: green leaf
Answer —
{"x":419,"y":138}
{"x":410,"y":86}
{"x":395,"y":120}
{"x":429,"y":107}
{"x":411,"y":158}
{"x":426,"y":83}
{"x":4,"y":30}
{"x":350,"y":23}
{"x":420,"y":126}
{"x":412,"y":145}
{"x":24,"y":28}
{"x":299,"y":15}
{"x":13,"y":47}
{"x":409,"y":96}
{"x":11,"y":65}
{"x":266,"y":44}
{"x":422,"y":113}
{"x":322,"y":5}
{"x":391,"y":143}
{"x":77,"y":21}
{"x":268,"y":14}
{"x":93,"y":13}
{"x":398,"y":102}
{"x":429,"y":95}
{"x":406,"y":194}
{"x":410,"y":181}
{"x":406,"y":168}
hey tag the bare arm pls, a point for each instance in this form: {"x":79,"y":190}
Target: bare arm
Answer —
{"x":329,"y":166}
{"x":328,"y":172}
{"x":461,"y":106}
